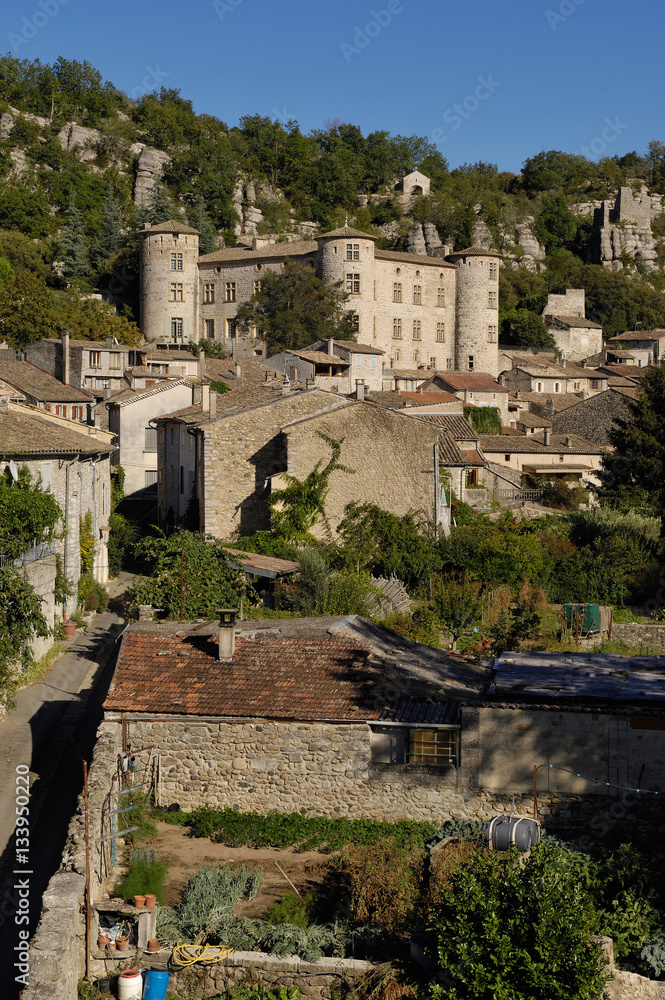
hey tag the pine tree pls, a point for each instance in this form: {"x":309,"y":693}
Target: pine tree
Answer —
{"x":159,"y":207}
{"x":208,"y":242}
{"x":111,"y":236}
{"x":75,"y":259}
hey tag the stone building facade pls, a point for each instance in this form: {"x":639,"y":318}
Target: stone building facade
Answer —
{"x":421,"y":311}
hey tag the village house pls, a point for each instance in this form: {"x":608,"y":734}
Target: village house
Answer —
{"x":544,"y":454}
{"x":538,"y":377}
{"x":73,"y":463}
{"x":594,"y":418}
{"x":638,"y":347}
{"x":335,"y":365}
{"x":576,"y":337}
{"x":339,"y":715}
{"x":45,"y":392}
{"x":472,"y":388}
{"x":92,"y":365}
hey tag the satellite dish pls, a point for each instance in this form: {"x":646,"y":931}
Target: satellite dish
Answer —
{"x":13,"y":471}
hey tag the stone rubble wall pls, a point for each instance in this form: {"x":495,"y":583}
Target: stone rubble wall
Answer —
{"x":635,"y":634}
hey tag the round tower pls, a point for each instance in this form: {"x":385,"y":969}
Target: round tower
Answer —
{"x":169,"y":282}
{"x":346,"y":256}
{"x":477,"y":311}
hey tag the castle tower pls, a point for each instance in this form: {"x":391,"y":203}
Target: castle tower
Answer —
{"x":477,"y":313}
{"x":346,"y":255}
{"x":169,"y":282}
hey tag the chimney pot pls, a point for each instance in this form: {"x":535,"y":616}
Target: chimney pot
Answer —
{"x":237,"y":369}
{"x":212,"y":404}
{"x":331,"y":345}
{"x":547,"y":435}
{"x":227,"y":632}
{"x":360,"y":388}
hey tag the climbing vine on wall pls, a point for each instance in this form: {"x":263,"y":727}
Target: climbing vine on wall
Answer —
{"x":298,"y":507}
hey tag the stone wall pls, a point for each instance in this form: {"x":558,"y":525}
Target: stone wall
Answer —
{"x":392,"y":457}
{"x":57,"y":949}
{"x":592,"y":418}
{"x":634,"y":634}
{"x":240,"y":452}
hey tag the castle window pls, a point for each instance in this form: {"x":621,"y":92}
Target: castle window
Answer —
{"x":209,"y":291}
{"x":432,"y":363}
{"x":256,"y":287}
{"x":230,"y":328}
{"x":397,"y":291}
{"x":355,"y":322}
{"x":491,"y":300}
{"x":397,"y":355}
{"x":440,"y":333}
{"x":416,"y":330}
{"x":417,"y":295}
{"x":176,"y":292}
{"x":440,"y":296}
{"x":491,"y":334}
{"x":229,"y":291}
{"x":397,"y":329}
{"x":470,"y":363}
{"x":353,"y":284}
{"x":449,"y":364}
{"x":416,"y":357}
{"x":353,"y":251}
{"x":209,"y":329}
{"x":176,"y":262}
{"x":95,"y":359}
{"x":176,"y":326}
{"x":493,"y":269}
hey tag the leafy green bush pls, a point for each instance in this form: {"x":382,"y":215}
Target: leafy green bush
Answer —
{"x":292,"y":909}
{"x":91,"y":595}
{"x":146,"y":873}
{"x":276,"y":829}
{"x":653,"y":956}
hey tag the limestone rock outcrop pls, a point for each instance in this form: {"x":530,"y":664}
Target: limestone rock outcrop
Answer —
{"x":622,"y":232}
{"x":75,"y":137}
{"x":149,"y":170}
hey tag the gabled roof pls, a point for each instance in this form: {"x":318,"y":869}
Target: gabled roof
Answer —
{"x":626,"y":371}
{"x":470,"y":380}
{"x":510,"y":443}
{"x":320,"y":358}
{"x":39,"y":384}
{"x":427,"y":398}
{"x":29,"y":434}
{"x":300,"y":248}
{"x":458,"y":426}
{"x":326,"y":669}
{"x":630,"y":335}
{"x":412,"y":258}
{"x":571,"y":322}
{"x":534,"y":419}
{"x":346,"y":345}
{"x":127,"y":396}
{"x":171,"y":226}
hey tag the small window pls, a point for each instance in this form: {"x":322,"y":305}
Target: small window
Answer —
{"x":557,"y":387}
{"x":359,"y":360}
{"x":353,"y":251}
{"x":417,"y":295}
{"x":397,"y":329}
{"x":416,"y":333}
{"x":150,"y":439}
{"x":595,"y":383}
{"x":436,"y":747}
{"x":151,"y":476}
{"x":209,"y":291}
{"x":506,"y":458}
{"x":449,"y":364}
{"x":176,"y":262}
{"x":440,"y":333}
{"x":416,"y":358}
{"x":491,"y":300}
{"x":561,"y":458}
{"x":229,"y":291}
{"x":209,"y":329}
{"x":115,"y":359}
{"x":256,"y":287}
{"x":176,"y":292}
{"x":355,"y":322}
{"x":470,"y":363}
{"x":372,"y":362}
{"x":176,"y":326}
{"x":432,"y":363}
{"x":95,"y":359}
{"x":494,"y":270}
{"x":353,"y":284}
{"x":491,"y":334}
{"x":576,"y":385}
{"x":397,"y":355}
{"x":230,"y":328}
{"x":539,"y":386}
{"x":440,"y":296}
{"x":397,"y":291}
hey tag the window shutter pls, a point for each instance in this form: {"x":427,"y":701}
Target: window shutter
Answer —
{"x":167,"y":327}
{"x":185,"y":328}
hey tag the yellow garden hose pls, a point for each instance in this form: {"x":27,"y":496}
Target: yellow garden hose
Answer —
{"x":207,"y":954}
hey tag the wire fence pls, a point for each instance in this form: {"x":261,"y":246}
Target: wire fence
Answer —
{"x":38,"y":551}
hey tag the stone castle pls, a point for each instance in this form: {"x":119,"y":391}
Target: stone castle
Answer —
{"x":439,"y":311}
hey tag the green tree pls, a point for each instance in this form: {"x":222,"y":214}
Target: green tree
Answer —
{"x":7,"y":275}
{"x":554,"y":169}
{"x":26,"y":311}
{"x":208,"y":239}
{"x":209,"y":582}
{"x":556,"y":226}
{"x":75,"y":258}
{"x":295,"y":307}
{"x":528,"y":329}
{"x":511,"y":927}
{"x":28,"y":514}
{"x":111,"y":236}
{"x":21,"y":621}
{"x":457,"y":603}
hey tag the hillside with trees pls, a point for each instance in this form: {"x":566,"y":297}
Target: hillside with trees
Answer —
{"x":71,"y":145}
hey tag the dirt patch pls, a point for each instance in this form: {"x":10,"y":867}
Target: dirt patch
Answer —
{"x":185,"y":854}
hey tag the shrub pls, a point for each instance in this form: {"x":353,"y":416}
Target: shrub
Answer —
{"x":91,"y":595}
{"x":146,"y":873}
{"x":292,"y":909}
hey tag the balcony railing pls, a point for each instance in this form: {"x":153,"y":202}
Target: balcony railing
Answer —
{"x":38,"y":551}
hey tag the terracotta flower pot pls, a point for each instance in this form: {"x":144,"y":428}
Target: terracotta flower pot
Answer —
{"x":102,"y":941}
{"x":139,"y":901}
{"x":111,"y":947}
{"x":69,"y":627}
{"x":122,"y":944}
{"x":150,"y":899}
{"x":153,"y":945}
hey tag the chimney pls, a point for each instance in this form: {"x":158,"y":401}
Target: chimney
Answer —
{"x":212,"y":404}
{"x":201,"y":368}
{"x":360,"y":388}
{"x":237,"y":369}
{"x":145,"y":613}
{"x":65,"y":357}
{"x":547,"y":435}
{"x":107,"y":392}
{"x":109,"y":342}
{"x":227,"y":633}
{"x":569,"y":442}
{"x":197,"y":394}
{"x":331,"y":345}
{"x":4,"y":404}
{"x":310,"y":383}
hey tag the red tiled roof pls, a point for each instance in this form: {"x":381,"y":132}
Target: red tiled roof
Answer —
{"x":473,"y":457}
{"x":276,"y":678}
{"x":470,"y":380}
{"x":428,"y":398}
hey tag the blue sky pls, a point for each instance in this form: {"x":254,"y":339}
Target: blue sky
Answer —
{"x":493,"y":80}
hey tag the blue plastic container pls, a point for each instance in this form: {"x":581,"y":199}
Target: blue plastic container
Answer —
{"x":156,"y":985}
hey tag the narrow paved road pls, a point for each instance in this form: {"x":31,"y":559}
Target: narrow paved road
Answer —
{"x":50,"y":732}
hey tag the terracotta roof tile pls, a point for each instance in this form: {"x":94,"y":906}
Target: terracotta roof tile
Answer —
{"x":39,"y":384}
{"x":29,"y":434}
